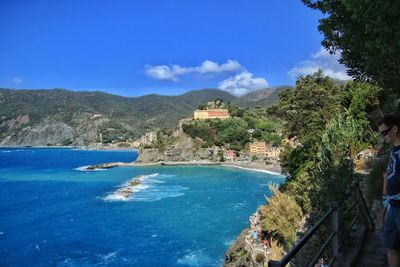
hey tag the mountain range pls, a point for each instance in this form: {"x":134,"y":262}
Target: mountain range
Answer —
{"x":62,"y":117}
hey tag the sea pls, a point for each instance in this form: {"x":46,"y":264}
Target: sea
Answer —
{"x":54,"y":213}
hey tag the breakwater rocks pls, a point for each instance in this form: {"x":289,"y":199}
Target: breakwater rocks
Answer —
{"x":102,"y":166}
{"x":126,"y":191}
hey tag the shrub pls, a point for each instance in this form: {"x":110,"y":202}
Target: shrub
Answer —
{"x":276,"y":251}
{"x":241,"y":253}
{"x":260,"y":257}
{"x":281,"y":216}
{"x":204,"y":145}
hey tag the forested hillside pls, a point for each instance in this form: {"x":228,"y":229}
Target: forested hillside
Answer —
{"x":62,"y":117}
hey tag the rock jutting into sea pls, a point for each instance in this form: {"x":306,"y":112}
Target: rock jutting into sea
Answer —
{"x":126,"y":191}
{"x":103,"y":166}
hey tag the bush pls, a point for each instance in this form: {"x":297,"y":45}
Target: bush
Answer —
{"x":281,"y":216}
{"x":276,"y":251}
{"x":204,"y":145}
{"x":221,"y":156}
{"x":260,"y":257}
{"x":241,"y":253}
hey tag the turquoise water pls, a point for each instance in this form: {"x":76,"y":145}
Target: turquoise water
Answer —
{"x":53,"y":214}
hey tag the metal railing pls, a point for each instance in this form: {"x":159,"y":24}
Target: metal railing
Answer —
{"x":358,"y":206}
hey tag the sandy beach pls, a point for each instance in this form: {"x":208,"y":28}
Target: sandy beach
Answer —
{"x":252,"y":166}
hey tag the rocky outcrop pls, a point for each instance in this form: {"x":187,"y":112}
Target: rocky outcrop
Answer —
{"x":86,"y":131}
{"x":184,"y":149}
{"x":48,"y":133}
{"x":16,"y":122}
{"x":103,"y":166}
{"x":237,"y":256}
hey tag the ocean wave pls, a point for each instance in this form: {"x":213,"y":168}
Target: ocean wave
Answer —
{"x":195,"y":258}
{"x":118,"y":195}
{"x":155,"y":181}
{"x":85,"y":258}
{"x":167,"y":175}
{"x":9,"y":151}
{"x":130,"y":188}
{"x":107,"y":258}
{"x":229,"y":242}
{"x":156,"y":193}
{"x":148,"y":190}
{"x":238,"y":205}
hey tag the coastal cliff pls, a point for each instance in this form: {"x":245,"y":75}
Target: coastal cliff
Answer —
{"x":183,"y":149}
{"x":46,"y":133}
{"x":237,"y":256}
{"x":53,"y":133}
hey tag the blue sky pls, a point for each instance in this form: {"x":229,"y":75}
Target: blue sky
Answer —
{"x":138,"y":47}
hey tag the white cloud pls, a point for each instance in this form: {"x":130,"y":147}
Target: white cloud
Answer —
{"x":328,"y":63}
{"x":211,"y":67}
{"x":162,"y":72}
{"x":172,"y":73}
{"x":17,"y":80}
{"x":242,"y":83}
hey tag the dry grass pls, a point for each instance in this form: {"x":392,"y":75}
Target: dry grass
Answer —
{"x":281,"y":217}
{"x":276,"y":250}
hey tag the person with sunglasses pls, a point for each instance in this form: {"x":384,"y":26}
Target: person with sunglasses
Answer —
{"x":389,"y":128}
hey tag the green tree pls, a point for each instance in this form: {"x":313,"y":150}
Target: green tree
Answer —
{"x":306,"y":109}
{"x":202,"y":107}
{"x":341,"y":140}
{"x":366,"y":34}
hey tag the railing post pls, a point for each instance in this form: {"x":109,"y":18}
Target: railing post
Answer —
{"x":335,"y":230}
{"x":273,"y":263}
{"x":356,"y":200}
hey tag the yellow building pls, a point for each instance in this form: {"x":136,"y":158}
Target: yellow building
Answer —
{"x":200,"y":114}
{"x":214,"y":113}
{"x":258,"y":149}
{"x":273,"y":152}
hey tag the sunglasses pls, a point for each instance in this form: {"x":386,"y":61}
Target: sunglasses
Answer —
{"x":385,"y":132}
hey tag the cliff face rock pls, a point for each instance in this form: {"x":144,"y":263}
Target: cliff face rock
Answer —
{"x":83,"y":129}
{"x":46,"y":133}
{"x":86,"y":131}
{"x":149,"y":155}
{"x":16,"y":122}
{"x":184,"y":149}
{"x":237,"y":256}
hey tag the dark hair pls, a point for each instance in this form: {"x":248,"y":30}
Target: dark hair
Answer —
{"x":390,"y":120}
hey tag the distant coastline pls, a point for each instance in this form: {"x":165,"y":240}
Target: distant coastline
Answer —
{"x":73,"y":147}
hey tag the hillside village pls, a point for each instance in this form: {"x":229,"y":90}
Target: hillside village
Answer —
{"x":183,"y":144}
